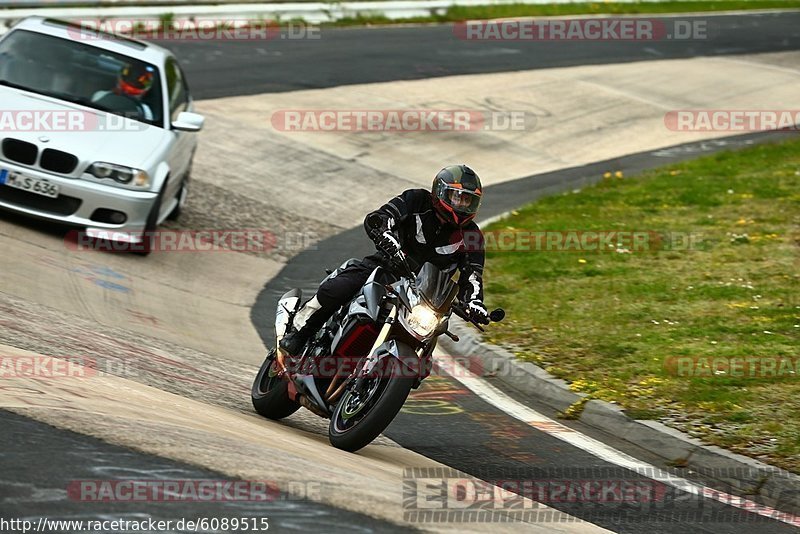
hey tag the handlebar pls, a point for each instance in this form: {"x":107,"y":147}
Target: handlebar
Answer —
{"x":495,"y":316}
{"x":402,"y":260}
{"x":461,"y":312}
{"x":399,"y":260}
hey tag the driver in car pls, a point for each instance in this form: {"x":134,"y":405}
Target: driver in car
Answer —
{"x":433,"y":226}
{"x":133,"y":84}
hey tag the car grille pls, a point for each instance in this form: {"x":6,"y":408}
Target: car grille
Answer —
{"x":52,"y":160}
{"x":57,"y":161}
{"x":61,"y":205}
{"x":20,"y":151}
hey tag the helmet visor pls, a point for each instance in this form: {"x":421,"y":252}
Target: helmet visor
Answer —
{"x":135,"y":80}
{"x":462,"y":201}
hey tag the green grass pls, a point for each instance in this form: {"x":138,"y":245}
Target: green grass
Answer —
{"x":608,"y":322}
{"x":629,"y":8}
{"x":462,"y":13}
{"x":573,"y":8}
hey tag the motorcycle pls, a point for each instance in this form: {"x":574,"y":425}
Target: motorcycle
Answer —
{"x":360,"y":367}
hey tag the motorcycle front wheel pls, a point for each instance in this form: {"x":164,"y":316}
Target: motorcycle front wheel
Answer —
{"x":364,"y":412}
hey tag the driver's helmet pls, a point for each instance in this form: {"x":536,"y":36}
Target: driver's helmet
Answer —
{"x":135,"y":80}
{"x":456,"y":194}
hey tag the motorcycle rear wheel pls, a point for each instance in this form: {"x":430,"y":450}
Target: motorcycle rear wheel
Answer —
{"x":270,"y":393}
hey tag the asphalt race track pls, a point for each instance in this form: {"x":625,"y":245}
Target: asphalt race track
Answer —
{"x":447,"y":423}
{"x":459,"y":430}
{"x":29,"y":482}
{"x":443,"y":421}
{"x":366,"y":55}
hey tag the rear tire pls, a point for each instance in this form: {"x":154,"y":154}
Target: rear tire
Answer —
{"x":270,"y":394}
{"x":393,"y":393}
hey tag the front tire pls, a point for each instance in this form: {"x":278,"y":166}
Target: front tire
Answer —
{"x":181,"y":196}
{"x":353,"y":431}
{"x":151,"y":225}
{"x":270,"y":393}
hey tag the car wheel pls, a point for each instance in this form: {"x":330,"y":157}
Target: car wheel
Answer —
{"x":151,"y":225}
{"x":183,"y":194}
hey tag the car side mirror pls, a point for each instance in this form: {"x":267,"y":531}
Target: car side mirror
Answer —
{"x":188,"y":122}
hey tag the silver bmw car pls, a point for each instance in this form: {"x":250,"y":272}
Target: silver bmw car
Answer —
{"x":96,"y":130}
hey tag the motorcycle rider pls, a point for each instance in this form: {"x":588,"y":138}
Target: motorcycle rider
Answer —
{"x":433,"y":226}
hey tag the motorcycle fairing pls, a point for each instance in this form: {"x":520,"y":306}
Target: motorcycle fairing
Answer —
{"x":366,"y":307}
{"x":437,"y":286}
{"x":395,"y":349}
{"x":289,"y":301}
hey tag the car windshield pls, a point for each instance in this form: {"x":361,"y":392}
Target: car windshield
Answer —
{"x":81,"y":73}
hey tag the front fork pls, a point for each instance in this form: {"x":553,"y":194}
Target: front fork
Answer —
{"x":426,"y":364}
{"x":380,"y":340}
{"x":298,"y":392}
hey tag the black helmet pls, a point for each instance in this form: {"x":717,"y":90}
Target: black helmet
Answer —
{"x":136,"y":80}
{"x":456,"y":194}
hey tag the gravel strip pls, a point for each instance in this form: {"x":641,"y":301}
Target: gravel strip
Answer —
{"x":211,"y":207}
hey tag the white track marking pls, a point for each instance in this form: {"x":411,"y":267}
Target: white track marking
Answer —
{"x":759,"y":64}
{"x":531,"y":417}
{"x":608,"y":88}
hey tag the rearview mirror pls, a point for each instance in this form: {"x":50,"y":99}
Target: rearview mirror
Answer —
{"x":497,"y":315}
{"x":188,"y":122}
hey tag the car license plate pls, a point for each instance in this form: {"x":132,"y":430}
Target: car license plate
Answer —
{"x":38,"y":186}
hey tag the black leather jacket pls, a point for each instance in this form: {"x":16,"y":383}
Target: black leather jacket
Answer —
{"x":424,"y":238}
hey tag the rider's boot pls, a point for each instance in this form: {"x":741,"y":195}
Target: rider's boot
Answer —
{"x":307,"y":321}
{"x":293,"y":342}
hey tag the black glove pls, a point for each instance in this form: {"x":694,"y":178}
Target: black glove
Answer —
{"x":388,"y":243}
{"x":478,"y":312}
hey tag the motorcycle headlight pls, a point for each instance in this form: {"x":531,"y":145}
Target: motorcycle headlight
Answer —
{"x":422,"y":320}
{"x":120,"y":174}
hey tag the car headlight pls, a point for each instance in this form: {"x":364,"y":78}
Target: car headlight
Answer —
{"x":120,"y":174}
{"x":422,"y":320}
